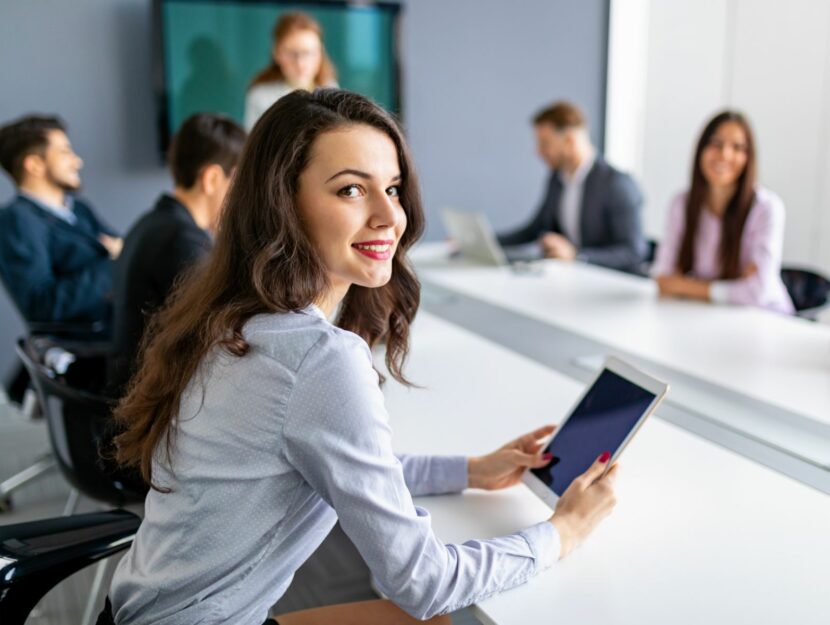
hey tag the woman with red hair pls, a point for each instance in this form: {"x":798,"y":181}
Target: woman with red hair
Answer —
{"x":298,"y":61}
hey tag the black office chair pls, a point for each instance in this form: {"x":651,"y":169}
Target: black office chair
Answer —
{"x":644,"y":268}
{"x":809,"y":291}
{"x":18,"y":390}
{"x":35,"y":556}
{"x":16,"y":381}
{"x":651,"y":250}
{"x":81,"y":430}
{"x":80,"y":425}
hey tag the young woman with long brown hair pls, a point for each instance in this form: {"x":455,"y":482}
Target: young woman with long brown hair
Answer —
{"x":724,"y":236}
{"x":298,"y":61}
{"x":259,"y":423}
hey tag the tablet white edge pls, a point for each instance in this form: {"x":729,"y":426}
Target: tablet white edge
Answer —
{"x":626,"y":371}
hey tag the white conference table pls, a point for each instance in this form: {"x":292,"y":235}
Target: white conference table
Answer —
{"x":700,"y":534}
{"x":757,"y":371}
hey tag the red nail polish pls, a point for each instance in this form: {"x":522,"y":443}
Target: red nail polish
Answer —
{"x":605,"y":457}
{"x":547,"y":457}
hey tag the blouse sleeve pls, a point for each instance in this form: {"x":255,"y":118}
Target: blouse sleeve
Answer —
{"x":434,"y":475}
{"x":762,"y":244}
{"x":338,"y":437}
{"x":665,"y":259}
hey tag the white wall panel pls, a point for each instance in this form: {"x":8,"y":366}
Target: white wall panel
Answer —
{"x":627,"y":76}
{"x":687,"y":48}
{"x":820,"y":234}
{"x":780,"y":56}
{"x":822,"y":208}
{"x":768,"y":58}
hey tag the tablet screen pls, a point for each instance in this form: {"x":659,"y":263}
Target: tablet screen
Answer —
{"x":601,"y":422}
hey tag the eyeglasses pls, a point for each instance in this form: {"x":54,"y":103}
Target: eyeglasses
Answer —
{"x":300,"y":55}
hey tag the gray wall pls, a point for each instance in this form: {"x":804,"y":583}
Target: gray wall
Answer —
{"x":474,"y":72}
{"x":89,"y":61}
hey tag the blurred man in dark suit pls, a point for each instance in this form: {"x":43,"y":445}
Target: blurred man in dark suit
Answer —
{"x":174,"y":235}
{"x":591,"y":211}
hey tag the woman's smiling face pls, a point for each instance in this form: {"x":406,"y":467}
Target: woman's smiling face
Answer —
{"x":348,"y":200}
{"x":724,"y":158}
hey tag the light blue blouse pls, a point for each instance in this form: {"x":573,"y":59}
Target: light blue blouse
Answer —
{"x":271,"y":450}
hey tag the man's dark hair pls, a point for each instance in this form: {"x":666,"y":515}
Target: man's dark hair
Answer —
{"x":204,"y":139}
{"x":25,"y":136}
{"x":562,"y":116}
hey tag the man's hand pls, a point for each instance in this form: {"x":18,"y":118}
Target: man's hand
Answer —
{"x":505,"y":466}
{"x":556,"y":246}
{"x":113,"y":244}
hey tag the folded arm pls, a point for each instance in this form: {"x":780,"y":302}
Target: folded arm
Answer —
{"x":41,"y":293}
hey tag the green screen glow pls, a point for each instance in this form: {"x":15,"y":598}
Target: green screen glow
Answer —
{"x":212,"y":50}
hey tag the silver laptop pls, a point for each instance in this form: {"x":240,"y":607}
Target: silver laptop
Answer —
{"x":477,"y":240}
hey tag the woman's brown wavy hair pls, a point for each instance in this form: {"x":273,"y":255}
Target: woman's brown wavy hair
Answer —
{"x":288,"y":23}
{"x":264,"y":262}
{"x":737,"y":210}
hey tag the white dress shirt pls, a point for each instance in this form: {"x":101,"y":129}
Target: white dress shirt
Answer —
{"x":570,"y":207}
{"x":260,"y":98}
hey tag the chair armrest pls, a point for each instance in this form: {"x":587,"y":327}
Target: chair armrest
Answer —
{"x":68,"y":330}
{"x":44,"y":552}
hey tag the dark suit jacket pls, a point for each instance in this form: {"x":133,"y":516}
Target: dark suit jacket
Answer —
{"x":55,"y":271}
{"x":609,"y":219}
{"x":164,"y":242}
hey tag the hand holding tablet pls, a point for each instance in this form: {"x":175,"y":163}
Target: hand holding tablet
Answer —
{"x":578,"y":479}
{"x":605,"y":418}
{"x":572,"y":467}
{"x":505,"y":466}
{"x":587,"y":501}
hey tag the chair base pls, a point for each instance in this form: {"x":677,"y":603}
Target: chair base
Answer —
{"x":43,"y":465}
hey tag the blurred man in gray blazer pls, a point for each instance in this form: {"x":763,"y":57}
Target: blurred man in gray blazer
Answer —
{"x":591,"y":211}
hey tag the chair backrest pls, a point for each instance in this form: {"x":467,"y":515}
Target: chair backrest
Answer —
{"x":80,"y":428}
{"x":75,"y":330}
{"x":96,"y":332}
{"x":651,"y":250}
{"x":644,"y":268}
{"x":807,"y":289}
{"x":35,"y":556}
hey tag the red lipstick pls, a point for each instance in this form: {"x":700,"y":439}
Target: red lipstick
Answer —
{"x":377,"y":249}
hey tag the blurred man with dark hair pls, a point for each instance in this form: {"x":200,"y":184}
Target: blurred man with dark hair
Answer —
{"x":55,"y":253}
{"x":174,"y":235}
{"x":591,"y":211}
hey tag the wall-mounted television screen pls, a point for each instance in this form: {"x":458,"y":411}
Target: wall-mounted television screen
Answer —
{"x":208,"y":51}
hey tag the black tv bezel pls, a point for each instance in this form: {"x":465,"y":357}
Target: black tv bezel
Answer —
{"x":160,"y":71}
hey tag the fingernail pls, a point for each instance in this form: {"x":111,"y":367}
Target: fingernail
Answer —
{"x":547,"y":457}
{"x":605,"y":457}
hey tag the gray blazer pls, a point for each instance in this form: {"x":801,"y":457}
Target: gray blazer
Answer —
{"x":610,"y":219}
